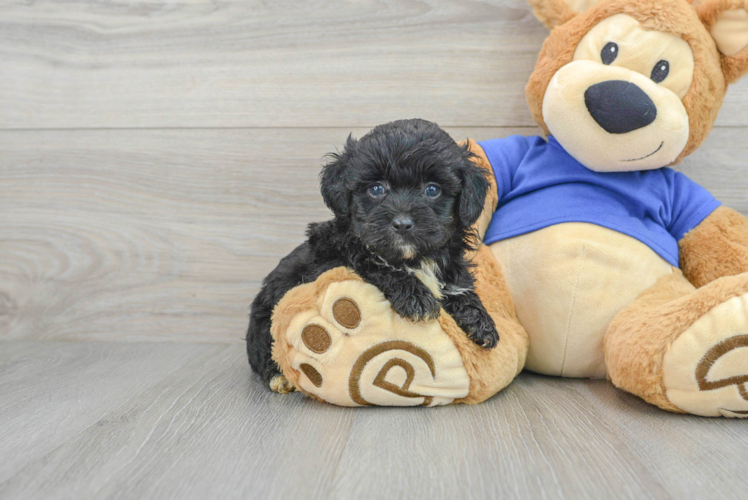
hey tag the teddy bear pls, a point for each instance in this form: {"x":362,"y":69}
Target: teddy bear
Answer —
{"x":598,"y":260}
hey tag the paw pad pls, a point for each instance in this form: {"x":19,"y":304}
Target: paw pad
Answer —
{"x":346,"y":312}
{"x":316,"y":338}
{"x":312,"y":374}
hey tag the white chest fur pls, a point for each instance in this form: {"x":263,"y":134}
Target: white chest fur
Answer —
{"x":427,"y":273}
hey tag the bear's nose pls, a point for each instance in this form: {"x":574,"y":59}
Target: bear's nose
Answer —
{"x":402,"y":223}
{"x":620,"y":107}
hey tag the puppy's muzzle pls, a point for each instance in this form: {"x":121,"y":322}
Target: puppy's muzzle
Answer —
{"x":403,"y":224}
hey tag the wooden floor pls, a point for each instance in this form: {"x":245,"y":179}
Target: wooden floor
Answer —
{"x":169,"y":420}
{"x":158,"y":157}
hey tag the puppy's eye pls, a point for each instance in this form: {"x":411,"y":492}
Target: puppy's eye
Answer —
{"x":609,"y":53}
{"x":660,"y":71}
{"x":376,"y":190}
{"x":432,"y":191}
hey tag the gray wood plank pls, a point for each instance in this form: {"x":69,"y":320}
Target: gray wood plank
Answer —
{"x":536,"y":439}
{"x":52,"y":391}
{"x":282,"y":63}
{"x":209,"y":430}
{"x":167,"y":234}
{"x":679,"y":452}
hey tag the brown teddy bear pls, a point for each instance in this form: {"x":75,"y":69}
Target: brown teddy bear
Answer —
{"x":599,"y":261}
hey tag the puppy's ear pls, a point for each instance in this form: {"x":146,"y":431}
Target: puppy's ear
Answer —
{"x":727,"y":22}
{"x":474,"y":189}
{"x":333,"y":180}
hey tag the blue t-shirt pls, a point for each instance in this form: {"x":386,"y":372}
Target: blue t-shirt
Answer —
{"x":541,"y":185}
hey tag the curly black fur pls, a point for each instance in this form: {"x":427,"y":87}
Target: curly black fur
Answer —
{"x":404,"y":157}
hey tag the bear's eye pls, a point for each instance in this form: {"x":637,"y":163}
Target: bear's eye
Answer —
{"x":432,"y":191}
{"x":609,"y":53}
{"x":660,"y":71}
{"x":376,"y":190}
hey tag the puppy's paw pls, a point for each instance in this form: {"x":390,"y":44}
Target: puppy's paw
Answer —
{"x":281,"y":385}
{"x":485,"y":335}
{"x":478,"y":326}
{"x":416,"y":306}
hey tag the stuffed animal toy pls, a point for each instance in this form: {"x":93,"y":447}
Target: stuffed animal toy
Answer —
{"x":598,"y":260}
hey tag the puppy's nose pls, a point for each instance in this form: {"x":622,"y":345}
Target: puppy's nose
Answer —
{"x":402,"y":224}
{"x":620,"y":107}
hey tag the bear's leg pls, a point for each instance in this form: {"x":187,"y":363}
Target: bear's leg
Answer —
{"x":338,"y":339}
{"x":682,"y":349}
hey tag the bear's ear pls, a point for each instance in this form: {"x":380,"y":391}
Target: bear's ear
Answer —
{"x":727,"y":21}
{"x":554,"y":13}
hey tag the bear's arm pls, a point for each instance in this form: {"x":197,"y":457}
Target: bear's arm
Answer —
{"x":717,"y":247}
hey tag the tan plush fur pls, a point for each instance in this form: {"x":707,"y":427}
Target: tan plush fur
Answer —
{"x":489,"y":369}
{"x":678,"y":17}
{"x":735,"y":66}
{"x":715,"y":248}
{"x":639,"y":336}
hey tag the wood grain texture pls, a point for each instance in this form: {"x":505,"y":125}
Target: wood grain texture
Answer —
{"x":207,"y":429}
{"x":284,"y":63}
{"x":669,"y":446}
{"x":150,"y":234}
{"x":167,"y":234}
{"x":53,"y":391}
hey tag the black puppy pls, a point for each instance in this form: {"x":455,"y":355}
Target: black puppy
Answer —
{"x":404,"y":198}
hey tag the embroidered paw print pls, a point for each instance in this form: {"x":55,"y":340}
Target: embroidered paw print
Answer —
{"x":354,"y":356}
{"x":318,"y":340}
{"x":705,"y":370}
{"x":346,"y":313}
{"x":737,"y":377}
